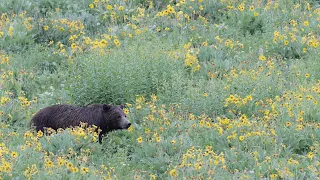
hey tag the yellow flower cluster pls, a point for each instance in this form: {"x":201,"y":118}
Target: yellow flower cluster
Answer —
{"x":30,"y":171}
{"x":24,"y":102}
{"x":229,"y":43}
{"x":167,"y":12}
{"x":4,"y":58}
{"x":191,"y":59}
{"x":63,"y":24}
{"x":196,"y":159}
{"x":237,"y":100}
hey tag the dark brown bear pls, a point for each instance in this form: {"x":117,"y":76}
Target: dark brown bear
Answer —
{"x":105,"y":117}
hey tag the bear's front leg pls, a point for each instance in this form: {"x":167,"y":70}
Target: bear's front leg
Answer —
{"x":101,"y":135}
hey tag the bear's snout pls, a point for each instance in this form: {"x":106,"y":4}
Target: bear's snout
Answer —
{"x":128,"y":125}
{"x":125,"y":123}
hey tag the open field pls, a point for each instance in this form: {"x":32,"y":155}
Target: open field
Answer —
{"x":215,"y":89}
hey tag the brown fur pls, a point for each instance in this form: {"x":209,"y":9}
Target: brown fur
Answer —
{"x":105,"y":117}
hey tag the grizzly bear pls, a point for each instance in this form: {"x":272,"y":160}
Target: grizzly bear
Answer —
{"x":106,"y":117}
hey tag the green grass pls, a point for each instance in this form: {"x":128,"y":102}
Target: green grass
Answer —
{"x":214,"y":89}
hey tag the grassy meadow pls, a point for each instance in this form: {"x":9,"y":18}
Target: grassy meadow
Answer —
{"x":215,"y":89}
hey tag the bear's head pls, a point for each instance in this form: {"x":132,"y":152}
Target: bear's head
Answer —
{"x":115,"y":117}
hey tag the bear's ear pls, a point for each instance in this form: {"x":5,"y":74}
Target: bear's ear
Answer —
{"x":122,"y":106}
{"x":106,"y":107}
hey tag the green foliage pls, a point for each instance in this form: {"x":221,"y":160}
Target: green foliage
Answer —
{"x":15,"y":6}
{"x":18,"y":37}
{"x":117,"y":77}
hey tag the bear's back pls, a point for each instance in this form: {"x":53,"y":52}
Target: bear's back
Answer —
{"x":56,"y":116}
